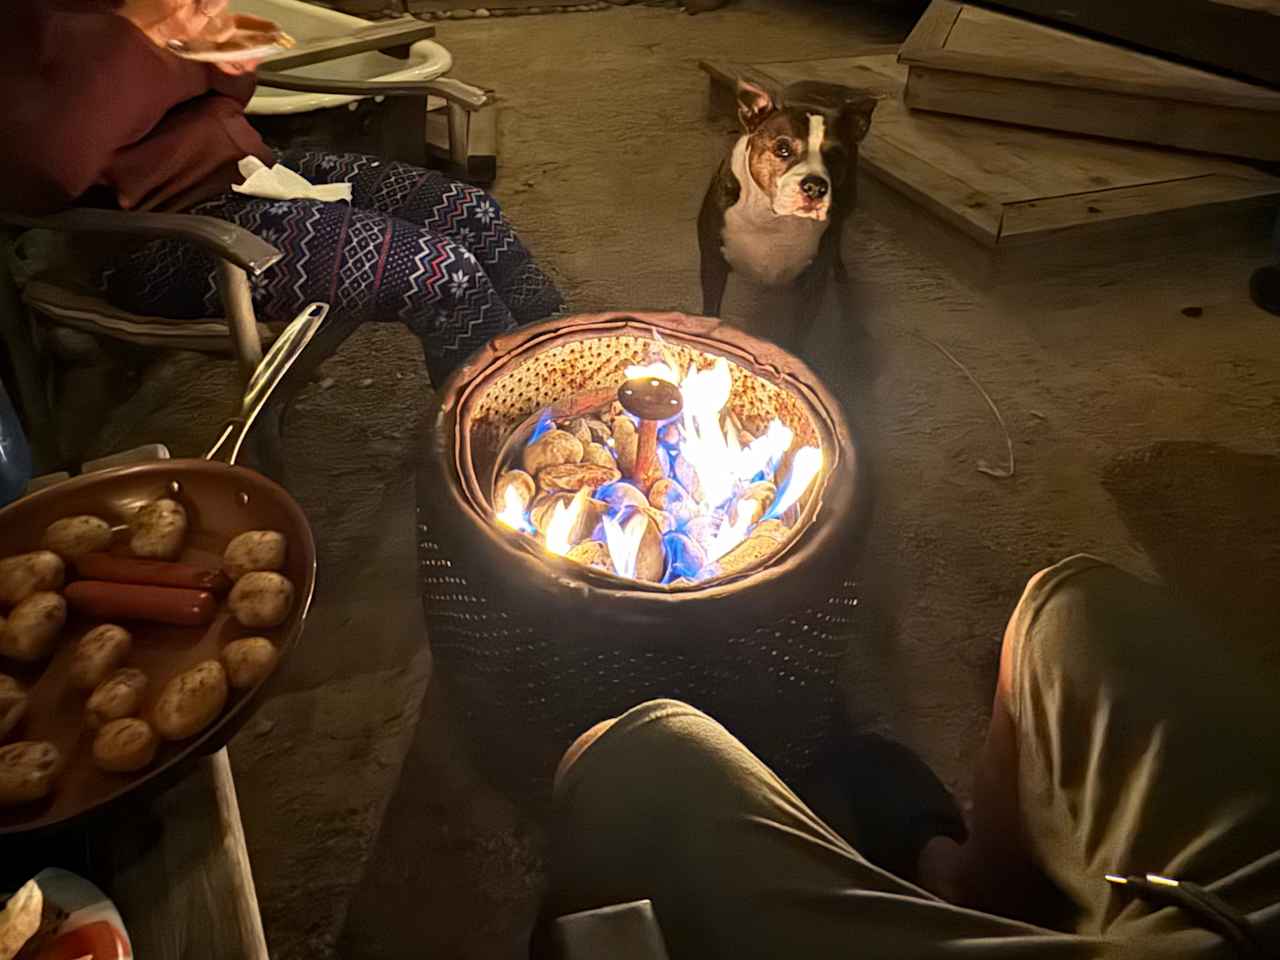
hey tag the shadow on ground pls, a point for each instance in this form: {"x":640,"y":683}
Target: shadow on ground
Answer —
{"x":1206,"y":516}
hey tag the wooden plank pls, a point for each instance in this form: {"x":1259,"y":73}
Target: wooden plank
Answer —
{"x":1239,"y":38}
{"x":1267,"y":6}
{"x":1046,"y":217}
{"x":978,"y":263}
{"x":178,"y":871}
{"x":975,"y":212}
{"x":996,"y":44}
{"x":1006,"y":162}
{"x":1189,"y":126}
{"x":932,"y":29}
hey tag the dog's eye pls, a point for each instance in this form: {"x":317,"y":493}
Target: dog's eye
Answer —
{"x":782,"y":150}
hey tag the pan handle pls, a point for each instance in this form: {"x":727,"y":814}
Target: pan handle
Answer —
{"x":266,"y":377}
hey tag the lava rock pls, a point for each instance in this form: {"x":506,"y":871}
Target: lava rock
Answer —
{"x":626,"y":443}
{"x":667,"y":493}
{"x":621,"y":495}
{"x":592,"y":553}
{"x":575,"y":476}
{"x":746,"y":554}
{"x":553,"y":448}
{"x":580,"y":430}
{"x":596,"y":453}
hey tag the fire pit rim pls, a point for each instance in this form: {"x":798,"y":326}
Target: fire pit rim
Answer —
{"x":836,"y":499}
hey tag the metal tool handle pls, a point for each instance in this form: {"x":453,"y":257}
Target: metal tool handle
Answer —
{"x":266,"y":377}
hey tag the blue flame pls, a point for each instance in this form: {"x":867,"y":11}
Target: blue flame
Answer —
{"x":611,"y":493}
{"x":544,"y":424}
{"x":681,"y":560}
{"x":787,"y":496}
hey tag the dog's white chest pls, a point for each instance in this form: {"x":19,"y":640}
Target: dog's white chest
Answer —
{"x":759,"y":244}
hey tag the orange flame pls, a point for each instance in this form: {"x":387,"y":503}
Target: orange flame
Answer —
{"x":623,"y":541}
{"x":512,"y":513}
{"x":733,"y":533}
{"x":564,"y":520}
{"x":805,"y":466}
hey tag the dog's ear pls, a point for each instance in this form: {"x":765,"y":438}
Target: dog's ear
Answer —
{"x":855,"y":117}
{"x":754,"y":104}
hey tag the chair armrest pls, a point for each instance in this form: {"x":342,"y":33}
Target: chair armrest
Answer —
{"x":379,"y":36}
{"x":224,"y":240}
{"x":454,"y":91}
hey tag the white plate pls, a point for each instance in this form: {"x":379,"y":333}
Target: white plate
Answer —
{"x":231,"y":56}
{"x":272,"y":44}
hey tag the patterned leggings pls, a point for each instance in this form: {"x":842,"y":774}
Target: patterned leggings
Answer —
{"x":413,"y":245}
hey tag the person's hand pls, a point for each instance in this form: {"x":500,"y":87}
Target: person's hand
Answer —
{"x":209,"y":20}
{"x":237,"y":68}
{"x":245,"y":23}
{"x":168,"y":20}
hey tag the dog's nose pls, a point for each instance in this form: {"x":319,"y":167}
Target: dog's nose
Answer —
{"x":814,"y":187}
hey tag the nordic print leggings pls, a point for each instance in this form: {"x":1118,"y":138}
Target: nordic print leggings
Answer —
{"x":413,"y":245}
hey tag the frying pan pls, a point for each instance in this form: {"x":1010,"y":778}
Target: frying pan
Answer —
{"x":221,"y":500}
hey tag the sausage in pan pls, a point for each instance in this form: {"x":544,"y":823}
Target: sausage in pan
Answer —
{"x":100,"y":600}
{"x":156,"y":573}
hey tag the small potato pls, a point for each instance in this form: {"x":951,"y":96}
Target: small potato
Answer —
{"x":29,"y":573}
{"x":159,"y":529}
{"x":73,"y":537}
{"x":27,"y":771}
{"x":254,"y":550}
{"x":125,"y":745}
{"x":191,"y":701}
{"x":261,"y":599}
{"x":13,"y":705}
{"x":120,"y":695}
{"x":99,"y":652}
{"x":249,"y":661}
{"x":33,"y":626}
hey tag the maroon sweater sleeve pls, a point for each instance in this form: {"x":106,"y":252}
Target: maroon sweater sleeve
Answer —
{"x":97,"y":104}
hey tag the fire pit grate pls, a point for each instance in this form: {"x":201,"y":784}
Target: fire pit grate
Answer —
{"x":534,"y":647}
{"x":678,"y":470}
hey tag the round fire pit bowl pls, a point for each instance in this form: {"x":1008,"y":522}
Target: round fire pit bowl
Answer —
{"x":533,"y":648}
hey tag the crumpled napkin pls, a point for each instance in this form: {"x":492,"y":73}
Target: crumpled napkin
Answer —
{"x":20,"y":919}
{"x":281,"y":183}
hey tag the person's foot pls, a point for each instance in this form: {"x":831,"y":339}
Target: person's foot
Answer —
{"x":1264,"y":287}
{"x":895,"y":804}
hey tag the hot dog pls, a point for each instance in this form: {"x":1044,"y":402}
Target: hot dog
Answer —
{"x":101,"y":600}
{"x":156,"y":573}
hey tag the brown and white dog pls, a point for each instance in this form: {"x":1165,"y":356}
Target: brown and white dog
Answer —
{"x":776,"y":207}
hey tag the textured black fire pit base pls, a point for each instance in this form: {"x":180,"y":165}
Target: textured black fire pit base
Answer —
{"x":533,"y":650}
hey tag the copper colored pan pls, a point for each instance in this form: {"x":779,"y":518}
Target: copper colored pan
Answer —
{"x":221,"y":500}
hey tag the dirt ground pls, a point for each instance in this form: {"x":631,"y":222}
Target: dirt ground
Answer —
{"x":1141,"y":399}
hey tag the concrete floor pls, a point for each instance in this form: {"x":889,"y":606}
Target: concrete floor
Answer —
{"x":1141,"y":433}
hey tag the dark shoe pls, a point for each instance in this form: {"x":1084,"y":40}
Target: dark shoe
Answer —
{"x":893,"y":804}
{"x":1264,"y":287}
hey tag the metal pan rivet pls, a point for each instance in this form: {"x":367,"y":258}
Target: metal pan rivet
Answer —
{"x":175,"y":488}
{"x":242,"y":498}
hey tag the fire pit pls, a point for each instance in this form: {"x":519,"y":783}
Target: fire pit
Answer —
{"x":621,"y":507}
